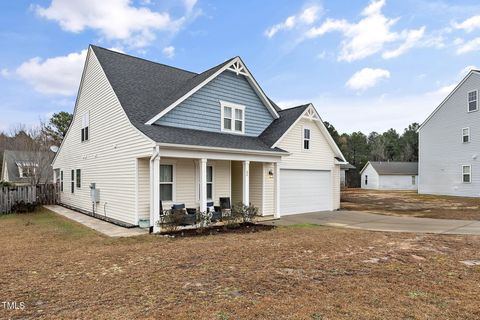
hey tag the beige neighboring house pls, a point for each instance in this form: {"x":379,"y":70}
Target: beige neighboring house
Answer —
{"x":25,"y":168}
{"x":145,"y":134}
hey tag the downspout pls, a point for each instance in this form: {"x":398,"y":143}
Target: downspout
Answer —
{"x":155,"y":155}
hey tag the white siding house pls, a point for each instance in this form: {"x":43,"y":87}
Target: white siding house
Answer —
{"x":449,"y":143}
{"x":146,"y":136}
{"x":390,"y":175}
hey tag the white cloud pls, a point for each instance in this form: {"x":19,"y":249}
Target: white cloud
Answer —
{"x":411,"y":39}
{"x":5,"y":73}
{"x":369,"y":35}
{"x":367,"y":78}
{"x":466,"y":70}
{"x":469,"y":25}
{"x":465,"y":47}
{"x":59,"y":75}
{"x":113,"y":19}
{"x":306,"y":17}
{"x":352,"y":113}
{"x":169,"y":51}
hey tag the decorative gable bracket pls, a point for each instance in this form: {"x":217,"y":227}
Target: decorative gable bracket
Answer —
{"x":311,"y":114}
{"x":238,"y":68}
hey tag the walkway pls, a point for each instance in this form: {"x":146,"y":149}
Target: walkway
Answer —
{"x":107,"y":228}
{"x":376,"y":222}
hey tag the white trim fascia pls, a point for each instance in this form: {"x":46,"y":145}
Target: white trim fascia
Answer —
{"x":213,"y":76}
{"x":136,"y":189}
{"x":228,"y":150}
{"x":322,"y":128}
{"x":448,"y":97}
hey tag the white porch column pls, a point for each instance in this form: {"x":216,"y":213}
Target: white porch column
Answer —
{"x":155,"y":190}
{"x":277,"y":189}
{"x":203,"y":185}
{"x":246,"y":183}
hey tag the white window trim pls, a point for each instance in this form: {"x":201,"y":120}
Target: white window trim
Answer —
{"x":173,"y":183}
{"x":309,"y":139}
{"x":234,"y":107}
{"x":468,"y":134}
{"x":86,"y":124}
{"x":468,"y":102}
{"x":470,"y":173}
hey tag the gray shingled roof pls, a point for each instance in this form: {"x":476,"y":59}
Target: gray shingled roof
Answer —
{"x":145,"y":88}
{"x":395,"y":168}
{"x":278,"y":127}
{"x":12,"y":157}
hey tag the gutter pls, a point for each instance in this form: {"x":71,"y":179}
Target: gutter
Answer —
{"x":239,"y":151}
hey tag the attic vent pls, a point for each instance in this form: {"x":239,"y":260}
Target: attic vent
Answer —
{"x":238,"y":68}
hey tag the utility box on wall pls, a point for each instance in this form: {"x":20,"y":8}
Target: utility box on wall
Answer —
{"x":94,"y":193}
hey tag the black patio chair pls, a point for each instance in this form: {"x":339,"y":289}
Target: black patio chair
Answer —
{"x":190,"y":218}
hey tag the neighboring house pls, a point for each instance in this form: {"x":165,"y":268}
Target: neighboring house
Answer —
{"x":449,"y":143}
{"x":390,"y":175}
{"x":343,"y":173}
{"x":145,"y":133}
{"x":26,"y":168}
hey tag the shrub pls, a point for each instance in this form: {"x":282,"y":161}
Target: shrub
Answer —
{"x":23,"y":207}
{"x":204,"y":219}
{"x":241,"y":213}
{"x":5,"y":184}
{"x":172,"y":220}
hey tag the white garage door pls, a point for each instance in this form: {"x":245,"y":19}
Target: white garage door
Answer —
{"x":304,"y":191}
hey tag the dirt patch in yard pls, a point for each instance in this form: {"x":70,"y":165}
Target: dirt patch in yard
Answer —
{"x":60,"y":269}
{"x":409,"y":203}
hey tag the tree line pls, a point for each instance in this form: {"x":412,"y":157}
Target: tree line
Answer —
{"x":359,"y":148}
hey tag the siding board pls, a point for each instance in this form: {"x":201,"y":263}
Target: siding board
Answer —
{"x":201,"y":111}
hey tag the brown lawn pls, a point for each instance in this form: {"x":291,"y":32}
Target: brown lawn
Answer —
{"x":409,"y":203}
{"x":60,"y":269}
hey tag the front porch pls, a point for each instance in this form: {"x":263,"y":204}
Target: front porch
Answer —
{"x":194,"y":178}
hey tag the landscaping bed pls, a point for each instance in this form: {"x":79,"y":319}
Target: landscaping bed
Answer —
{"x":246,"y":227}
{"x":410,"y":203}
{"x":62,"y":270}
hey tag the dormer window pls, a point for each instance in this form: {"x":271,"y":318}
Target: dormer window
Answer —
{"x":473,"y":101}
{"x":85,"y":126}
{"x":233,"y":117}
{"x":26,"y":169}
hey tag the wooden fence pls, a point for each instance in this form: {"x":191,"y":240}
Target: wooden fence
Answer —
{"x":41,"y":194}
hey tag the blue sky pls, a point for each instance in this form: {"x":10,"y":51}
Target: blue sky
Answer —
{"x":366,"y":65}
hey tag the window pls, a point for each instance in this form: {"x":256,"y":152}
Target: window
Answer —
{"x":61,"y":181}
{"x":166,"y":182}
{"x":414,"y":180}
{"x":366,"y":180}
{"x":306,"y":139}
{"x":72,"y":181}
{"x":209,"y":182}
{"x":467,"y":174}
{"x":233,"y":117}
{"x":472,"y":101}
{"x":79,"y":178}
{"x":85,"y":125}
{"x":466,"y":135}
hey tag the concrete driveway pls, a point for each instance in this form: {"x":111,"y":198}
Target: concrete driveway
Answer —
{"x":376,"y":222}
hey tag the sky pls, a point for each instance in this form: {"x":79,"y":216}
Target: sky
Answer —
{"x":365,"y":65}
